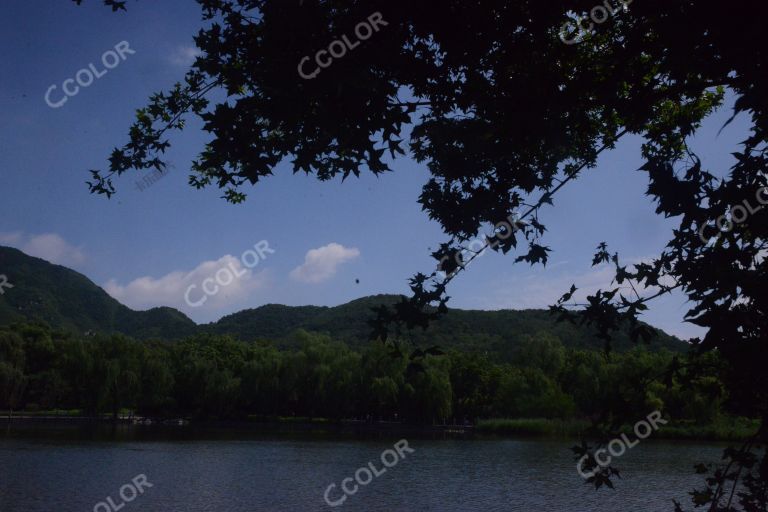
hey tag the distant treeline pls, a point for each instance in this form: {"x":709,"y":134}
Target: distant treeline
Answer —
{"x":212,"y":376}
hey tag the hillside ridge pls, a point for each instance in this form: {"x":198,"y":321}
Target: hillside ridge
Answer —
{"x":64,"y":298}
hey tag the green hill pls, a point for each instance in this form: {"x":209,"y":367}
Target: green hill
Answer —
{"x":66,"y":299}
{"x":493,"y":331}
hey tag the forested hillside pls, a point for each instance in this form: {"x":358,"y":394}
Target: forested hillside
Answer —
{"x":62,"y":298}
{"x":492,"y":331}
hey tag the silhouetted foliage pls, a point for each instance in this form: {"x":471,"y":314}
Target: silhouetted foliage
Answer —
{"x":504,"y":115}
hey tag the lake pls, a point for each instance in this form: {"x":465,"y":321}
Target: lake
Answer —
{"x":185,"y":469}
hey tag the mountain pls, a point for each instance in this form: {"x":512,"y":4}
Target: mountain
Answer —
{"x":67,"y":299}
{"x":493,"y":331}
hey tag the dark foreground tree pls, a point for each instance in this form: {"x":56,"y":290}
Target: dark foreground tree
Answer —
{"x":506,"y":102}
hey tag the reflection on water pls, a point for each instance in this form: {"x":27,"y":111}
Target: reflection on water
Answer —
{"x":72,"y":469}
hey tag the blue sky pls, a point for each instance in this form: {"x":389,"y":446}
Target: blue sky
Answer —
{"x":146,"y":247}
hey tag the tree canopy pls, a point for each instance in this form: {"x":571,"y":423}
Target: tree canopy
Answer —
{"x":504,"y":112}
{"x":214,"y":376}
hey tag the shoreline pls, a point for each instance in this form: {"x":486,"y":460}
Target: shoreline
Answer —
{"x":735,"y":429}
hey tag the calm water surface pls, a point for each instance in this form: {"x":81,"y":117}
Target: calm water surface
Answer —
{"x":63,"y":470}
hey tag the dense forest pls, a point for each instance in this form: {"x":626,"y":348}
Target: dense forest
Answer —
{"x":213,"y":376}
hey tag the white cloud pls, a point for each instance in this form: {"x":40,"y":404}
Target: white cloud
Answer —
{"x":320,"y":264}
{"x":170,"y":289}
{"x":184,"y":56}
{"x":48,"y":246}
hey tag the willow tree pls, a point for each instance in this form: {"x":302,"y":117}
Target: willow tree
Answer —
{"x":505,"y":102}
